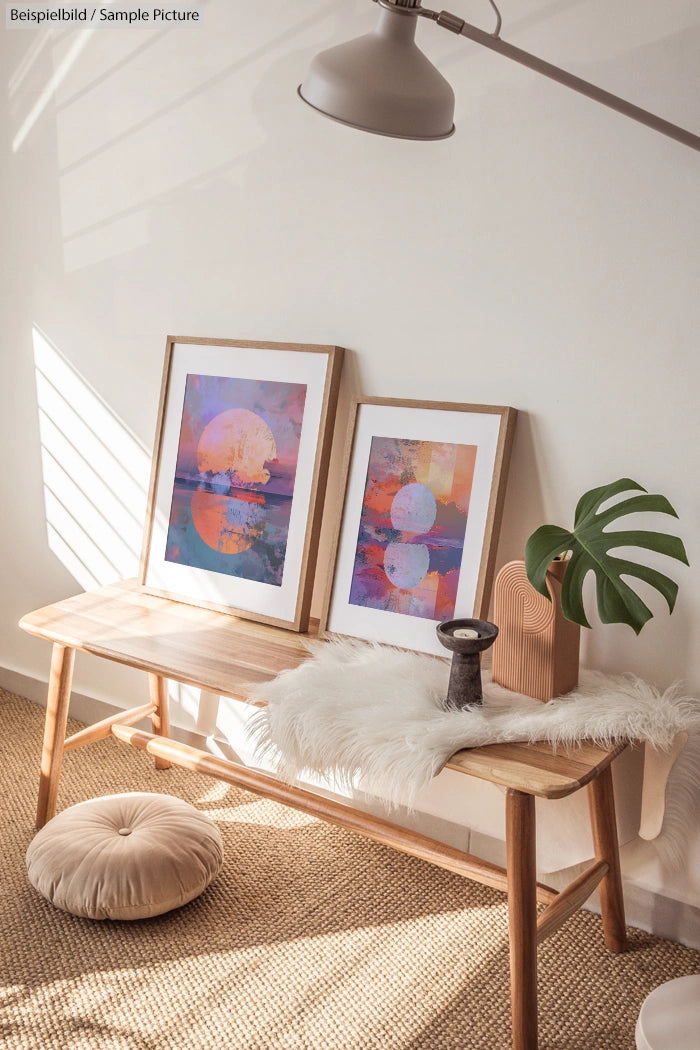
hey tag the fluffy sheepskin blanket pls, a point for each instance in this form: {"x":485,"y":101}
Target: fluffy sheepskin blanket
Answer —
{"x":372,"y":717}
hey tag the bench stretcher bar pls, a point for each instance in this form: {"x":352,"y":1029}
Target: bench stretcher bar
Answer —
{"x":375,"y":828}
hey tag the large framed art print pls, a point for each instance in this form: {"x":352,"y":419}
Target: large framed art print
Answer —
{"x":239,"y":473}
{"x":416,"y":540}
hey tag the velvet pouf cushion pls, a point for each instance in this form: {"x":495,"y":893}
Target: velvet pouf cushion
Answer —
{"x":126,"y":856}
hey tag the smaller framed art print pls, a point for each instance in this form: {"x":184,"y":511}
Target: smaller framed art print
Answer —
{"x":239,"y":473}
{"x":416,"y":542}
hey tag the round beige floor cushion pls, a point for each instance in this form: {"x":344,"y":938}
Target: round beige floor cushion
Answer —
{"x":125,"y":856}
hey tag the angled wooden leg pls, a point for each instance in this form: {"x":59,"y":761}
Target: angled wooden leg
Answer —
{"x":57,"y":701}
{"x":160,"y":719}
{"x":604,"y":827}
{"x":522,"y":916}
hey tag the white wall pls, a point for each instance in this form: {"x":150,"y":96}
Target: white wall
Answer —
{"x":546,"y":256}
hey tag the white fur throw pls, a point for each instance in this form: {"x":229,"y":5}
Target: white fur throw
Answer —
{"x":372,"y":717}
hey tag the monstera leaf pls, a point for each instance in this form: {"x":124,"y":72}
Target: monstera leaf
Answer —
{"x":590,"y":546}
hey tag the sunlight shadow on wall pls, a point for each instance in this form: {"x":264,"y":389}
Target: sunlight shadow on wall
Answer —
{"x":31,"y":56}
{"x":45,"y":97}
{"x":141,"y":116}
{"x":95,"y":474}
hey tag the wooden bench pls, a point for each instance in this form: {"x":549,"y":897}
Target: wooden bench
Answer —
{"x":223,"y":654}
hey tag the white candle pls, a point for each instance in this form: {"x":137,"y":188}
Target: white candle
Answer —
{"x":465,"y":632}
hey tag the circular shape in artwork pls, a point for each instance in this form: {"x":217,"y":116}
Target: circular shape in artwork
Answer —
{"x":126,"y":856}
{"x":406,"y":564}
{"x":237,"y":443}
{"x":228,"y":524}
{"x":414,"y":508}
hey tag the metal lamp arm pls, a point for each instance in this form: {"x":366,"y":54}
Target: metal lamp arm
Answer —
{"x":524,"y":58}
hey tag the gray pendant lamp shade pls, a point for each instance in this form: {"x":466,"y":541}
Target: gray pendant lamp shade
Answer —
{"x":382,"y":82}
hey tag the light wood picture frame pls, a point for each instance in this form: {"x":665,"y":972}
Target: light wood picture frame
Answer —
{"x":416,"y":539}
{"x":239,"y":472}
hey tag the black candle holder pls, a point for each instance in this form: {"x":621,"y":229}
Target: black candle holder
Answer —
{"x":466,"y":640}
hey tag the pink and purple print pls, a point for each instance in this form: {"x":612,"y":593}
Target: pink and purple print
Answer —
{"x":413,"y":526}
{"x":234,"y":476}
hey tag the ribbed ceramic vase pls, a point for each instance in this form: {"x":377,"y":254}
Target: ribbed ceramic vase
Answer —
{"x":537,"y":649}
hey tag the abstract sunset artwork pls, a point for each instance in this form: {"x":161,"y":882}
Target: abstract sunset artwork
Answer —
{"x":239,"y":471}
{"x":235,"y":472}
{"x":413,"y":524}
{"x":416,"y":540}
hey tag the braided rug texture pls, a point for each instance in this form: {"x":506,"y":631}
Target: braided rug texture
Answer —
{"x":310,"y":939}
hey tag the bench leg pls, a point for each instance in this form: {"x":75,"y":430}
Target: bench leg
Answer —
{"x":160,"y":719}
{"x":604,"y":827}
{"x":522,"y":916}
{"x":57,"y":701}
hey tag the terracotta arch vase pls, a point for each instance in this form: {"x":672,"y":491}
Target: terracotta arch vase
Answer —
{"x":537,"y":649}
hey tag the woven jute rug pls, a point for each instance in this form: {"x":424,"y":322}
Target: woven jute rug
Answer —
{"x":310,"y":939}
